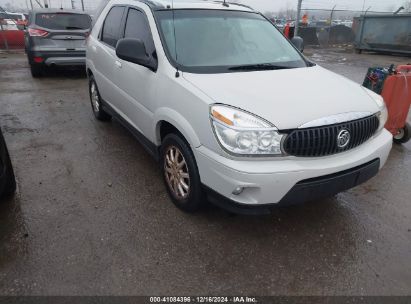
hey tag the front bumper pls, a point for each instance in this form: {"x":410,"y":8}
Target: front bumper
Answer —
{"x":286,"y":180}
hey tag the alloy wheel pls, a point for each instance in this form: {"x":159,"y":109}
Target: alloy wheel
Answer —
{"x":176,"y":173}
{"x":94,"y":97}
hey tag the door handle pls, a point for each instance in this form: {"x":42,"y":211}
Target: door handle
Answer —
{"x":118,"y":64}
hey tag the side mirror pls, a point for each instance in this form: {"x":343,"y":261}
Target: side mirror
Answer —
{"x":298,"y":43}
{"x":134,"y":50}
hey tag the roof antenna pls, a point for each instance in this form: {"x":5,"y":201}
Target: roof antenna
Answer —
{"x":175,"y":40}
{"x":225,"y":3}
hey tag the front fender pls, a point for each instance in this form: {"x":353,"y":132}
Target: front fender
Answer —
{"x":178,"y":121}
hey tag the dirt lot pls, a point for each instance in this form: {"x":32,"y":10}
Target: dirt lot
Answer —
{"x":91,"y":215}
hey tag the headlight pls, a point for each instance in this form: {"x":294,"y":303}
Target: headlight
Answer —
{"x":383,"y":117}
{"x":243,"y":133}
{"x":383,"y":114}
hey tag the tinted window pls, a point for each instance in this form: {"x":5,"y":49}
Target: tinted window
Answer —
{"x":137,"y":27}
{"x":63,"y":21}
{"x":112,"y":24}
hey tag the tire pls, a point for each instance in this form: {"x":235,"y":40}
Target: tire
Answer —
{"x":403,"y":135}
{"x":7,"y":179}
{"x":36,"y":70}
{"x":188,"y":199}
{"x":95,"y":100}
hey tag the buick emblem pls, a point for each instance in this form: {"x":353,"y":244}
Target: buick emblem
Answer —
{"x":343,"y":138}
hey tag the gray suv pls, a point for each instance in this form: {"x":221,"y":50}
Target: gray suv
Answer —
{"x":56,"y":38}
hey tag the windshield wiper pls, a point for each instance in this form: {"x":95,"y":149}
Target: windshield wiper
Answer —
{"x":258,"y":67}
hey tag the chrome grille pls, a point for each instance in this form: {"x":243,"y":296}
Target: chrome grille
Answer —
{"x":322,"y":141}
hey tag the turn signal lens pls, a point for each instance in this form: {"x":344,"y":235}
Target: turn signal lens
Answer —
{"x":222,"y":118}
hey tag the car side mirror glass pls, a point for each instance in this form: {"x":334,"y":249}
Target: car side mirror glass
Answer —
{"x":134,"y":50}
{"x":298,"y":43}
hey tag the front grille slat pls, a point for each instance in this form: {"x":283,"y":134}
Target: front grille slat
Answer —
{"x":321,"y":141}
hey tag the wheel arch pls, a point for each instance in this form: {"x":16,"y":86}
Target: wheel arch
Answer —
{"x":170,"y":121}
{"x":89,"y":72}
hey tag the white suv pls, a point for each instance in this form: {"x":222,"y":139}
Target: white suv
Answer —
{"x":230,"y":107}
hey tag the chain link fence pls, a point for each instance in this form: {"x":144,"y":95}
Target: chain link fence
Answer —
{"x":324,"y":27}
{"x":11,"y":33}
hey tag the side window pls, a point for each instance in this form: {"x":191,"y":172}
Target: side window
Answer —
{"x":112,"y":25}
{"x":137,"y":27}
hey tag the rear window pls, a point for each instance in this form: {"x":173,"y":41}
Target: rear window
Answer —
{"x":63,"y":21}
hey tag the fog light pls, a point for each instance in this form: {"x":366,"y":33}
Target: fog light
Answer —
{"x":238,"y":190}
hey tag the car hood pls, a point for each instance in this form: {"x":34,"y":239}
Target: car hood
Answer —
{"x":287,"y":98}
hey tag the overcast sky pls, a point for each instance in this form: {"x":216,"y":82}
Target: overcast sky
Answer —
{"x":262,"y":5}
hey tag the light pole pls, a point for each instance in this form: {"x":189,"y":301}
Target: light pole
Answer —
{"x":331,"y":24}
{"x":332,"y":14}
{"x":297,"y":22}
{"x":363,"y":6}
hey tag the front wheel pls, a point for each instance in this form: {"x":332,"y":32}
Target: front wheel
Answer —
{"x":403,"y":135}
{"x":180,"y":173}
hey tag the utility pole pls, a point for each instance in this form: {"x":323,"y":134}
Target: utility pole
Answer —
{"x":31,"y":3}
{"x":331,"y":24}
{"x":39,"y":3}
{"x":363,"y":6}
{"x":332,"y":14}
{"x":72,"y":4}
{"x":82,"y":4}
{"x":297,"y":22}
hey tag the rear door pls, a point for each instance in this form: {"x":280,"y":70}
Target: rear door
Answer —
{"x":60,"y":31}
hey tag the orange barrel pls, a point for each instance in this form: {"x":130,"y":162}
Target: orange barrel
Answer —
{"x":397,"y":96}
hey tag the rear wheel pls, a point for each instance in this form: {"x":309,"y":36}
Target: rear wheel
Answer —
{"x":7,"y":179}
{"x":95,"y":100}
{"x":36,"y":70}
{"x":180,"y":173}
{"x":403,"y":135}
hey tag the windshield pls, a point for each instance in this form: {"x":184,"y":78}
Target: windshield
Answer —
{"x":63,"y":21}
{"x":218,"y":41}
